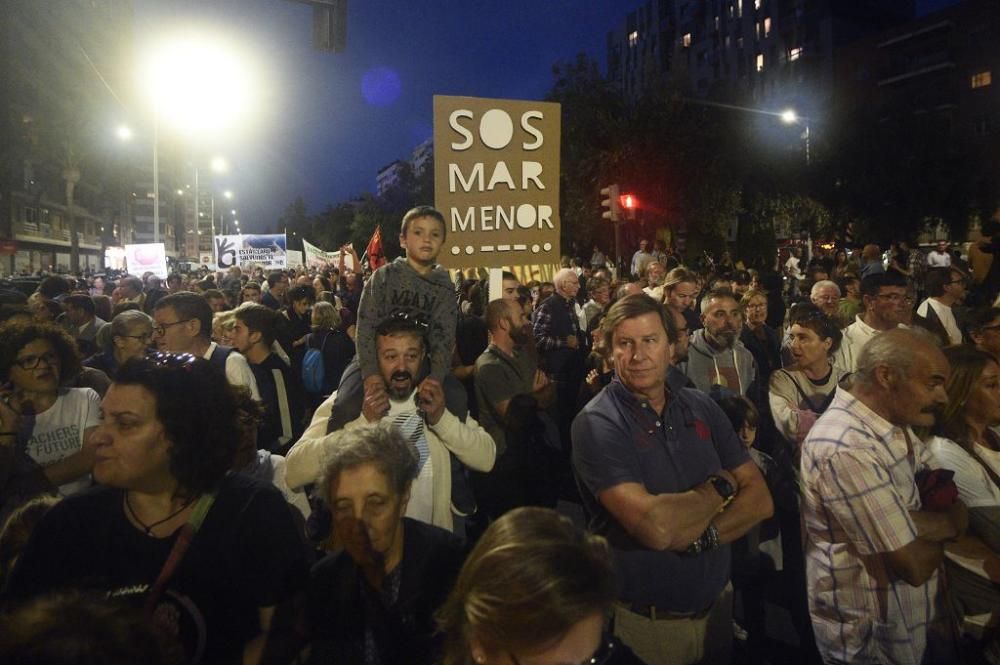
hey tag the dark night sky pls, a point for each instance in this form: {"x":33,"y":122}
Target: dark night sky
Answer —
{"x":316,"y":133}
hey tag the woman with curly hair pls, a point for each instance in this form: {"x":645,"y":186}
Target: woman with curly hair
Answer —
{"x":204,"y":554}
{"x":44,"y":427}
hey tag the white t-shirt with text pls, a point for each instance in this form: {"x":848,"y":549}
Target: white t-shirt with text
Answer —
{"x":59,"y":430}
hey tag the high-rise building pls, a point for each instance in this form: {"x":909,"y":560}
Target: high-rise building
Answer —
{"x":768,"y":51}
{"x":62,"y":66}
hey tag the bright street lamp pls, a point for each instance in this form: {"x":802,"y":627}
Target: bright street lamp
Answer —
{"x":790,"y":117}
{"x":219,"y":164}
{"x":228,"y":193}
{"x":124,"y":133}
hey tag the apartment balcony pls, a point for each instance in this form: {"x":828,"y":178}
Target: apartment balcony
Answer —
{"x":49,"y":235}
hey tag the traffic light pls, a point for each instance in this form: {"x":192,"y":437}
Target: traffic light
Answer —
{"x":612,"y":203}
{"x":631,"y":204}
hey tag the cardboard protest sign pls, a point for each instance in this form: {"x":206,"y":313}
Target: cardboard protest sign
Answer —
{"x":496,"y":180}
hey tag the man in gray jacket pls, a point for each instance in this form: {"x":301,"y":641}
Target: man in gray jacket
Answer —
{"x":716,"y":356}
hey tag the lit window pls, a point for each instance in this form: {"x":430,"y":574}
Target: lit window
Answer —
{"x":982,"y":79}
{"x":633,"y":38}
{"x":756,"y":4}
{"x":795,"y":54}
{"x":760,"y":62}
{"x":767,"y":26}
{"x":716,"y":22}
{"x":686,"y":39}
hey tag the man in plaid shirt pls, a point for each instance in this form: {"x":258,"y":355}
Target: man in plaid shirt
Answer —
{"x":873,"y":553}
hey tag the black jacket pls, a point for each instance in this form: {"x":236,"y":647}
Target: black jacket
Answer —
{"x":405,"y":631}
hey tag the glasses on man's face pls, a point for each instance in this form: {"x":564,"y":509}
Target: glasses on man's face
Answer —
{"x":32,"y":361}
{"x":144,"y":337}
{"x":161,"y":329}
{"x":600,"y":657}
{"x":895,"y":298}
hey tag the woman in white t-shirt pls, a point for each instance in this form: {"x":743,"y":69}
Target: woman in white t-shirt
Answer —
{"x":43,"y":428}
{"x":967,"y":445}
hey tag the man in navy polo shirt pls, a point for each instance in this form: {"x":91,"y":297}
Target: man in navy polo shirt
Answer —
{"x":665,"y":479}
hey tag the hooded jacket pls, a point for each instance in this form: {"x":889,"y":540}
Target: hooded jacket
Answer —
{"x":733,"y":368}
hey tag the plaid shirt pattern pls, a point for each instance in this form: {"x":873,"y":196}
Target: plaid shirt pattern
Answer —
{"x":544,"y":329}
{"x":857,"y":488}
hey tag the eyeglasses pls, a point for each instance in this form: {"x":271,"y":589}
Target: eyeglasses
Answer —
{"x":145,"y":337}
{"x":894,"y":297}
{"x":32,"y":362}
{"x":161,"y":330}
{"x":601,"y":656}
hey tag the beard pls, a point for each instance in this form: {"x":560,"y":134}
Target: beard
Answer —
{"x":725,"y":338}
{"x":398,"y":393}
{"x":521,"y":335}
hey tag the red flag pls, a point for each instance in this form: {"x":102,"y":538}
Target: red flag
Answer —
{"x":374,"y":250}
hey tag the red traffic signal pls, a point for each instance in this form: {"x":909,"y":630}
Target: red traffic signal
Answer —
{"x":629,"y":204}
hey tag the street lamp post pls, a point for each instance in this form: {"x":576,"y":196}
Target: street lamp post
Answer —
{"x":790,"y":117}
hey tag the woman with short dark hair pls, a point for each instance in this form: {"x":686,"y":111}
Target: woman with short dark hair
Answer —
{"x":206,"y":555}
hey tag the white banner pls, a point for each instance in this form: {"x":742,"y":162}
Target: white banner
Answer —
{"x":294,"y":259}
{"x":149,"y":257}
{"x":323,"y":260}
{"x":246,"y":251}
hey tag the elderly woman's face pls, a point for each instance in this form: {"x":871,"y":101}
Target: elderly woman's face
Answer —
{"x":136,"y":343}
{"x":367,"y":513}
{"x":36,"y":367}
{"x":130,"y":444}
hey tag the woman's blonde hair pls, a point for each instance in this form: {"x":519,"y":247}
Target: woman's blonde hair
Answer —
{"x":529,"y":580}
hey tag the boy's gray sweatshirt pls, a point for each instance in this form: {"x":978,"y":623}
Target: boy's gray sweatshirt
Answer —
{"x":397,"y":287}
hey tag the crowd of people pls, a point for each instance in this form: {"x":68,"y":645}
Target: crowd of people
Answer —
{"x":337,"y":465}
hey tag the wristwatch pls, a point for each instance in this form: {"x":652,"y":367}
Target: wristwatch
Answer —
{"x":724,"y":488}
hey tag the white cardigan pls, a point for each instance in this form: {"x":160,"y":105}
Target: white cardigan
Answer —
{"x":469,"y":441}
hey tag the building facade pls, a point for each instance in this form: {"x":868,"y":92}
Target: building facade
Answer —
{"x":769,"y":52}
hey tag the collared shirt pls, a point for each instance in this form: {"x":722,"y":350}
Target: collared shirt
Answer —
{"x":619,"y":438}
{"x":855,"y":337}
{"x":945,"y":315}
{"x":857,"y":490}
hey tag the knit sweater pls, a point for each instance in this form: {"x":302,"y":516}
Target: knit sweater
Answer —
{"x":398,"y":288}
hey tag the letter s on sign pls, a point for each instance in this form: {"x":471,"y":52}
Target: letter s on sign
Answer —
{"x":453,"y":123}
{"x":534,"y":131}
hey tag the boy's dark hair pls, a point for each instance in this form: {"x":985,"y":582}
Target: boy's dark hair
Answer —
{"x":423,"y":211}
{"x":304,"y":292}
{"x":190,"y":305}
{"x":80,"y":301}
{"x":739,"y":410}
{"x":273,"y":278}
{"x":259,"y":319}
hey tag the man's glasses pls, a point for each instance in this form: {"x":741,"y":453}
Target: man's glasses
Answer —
{"x":32,"y":361}
{"x":895,"y":297}
{"x":600,"y":657}
{"x":161,"y":329}
{"x":145,"y":337}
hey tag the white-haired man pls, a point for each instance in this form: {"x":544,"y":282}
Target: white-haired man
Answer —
{"x":873,"y":548}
